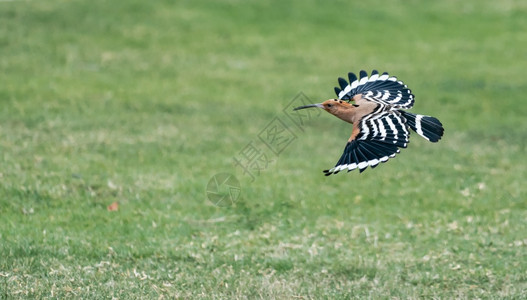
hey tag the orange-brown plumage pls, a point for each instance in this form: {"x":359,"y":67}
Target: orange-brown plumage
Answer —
{"x":346,"y":111}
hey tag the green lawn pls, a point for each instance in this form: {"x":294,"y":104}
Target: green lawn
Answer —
{"x":143,"y":102}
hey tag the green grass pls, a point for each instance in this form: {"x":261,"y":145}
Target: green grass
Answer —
{"x":143,"y":102}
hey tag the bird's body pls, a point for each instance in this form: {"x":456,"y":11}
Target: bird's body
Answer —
{"x":380,"y":123}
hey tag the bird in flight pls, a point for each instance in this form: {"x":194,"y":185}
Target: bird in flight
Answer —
{"x":375,"y":106}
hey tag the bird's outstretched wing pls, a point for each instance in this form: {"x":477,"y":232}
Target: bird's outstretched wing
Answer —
{"x":382,"y":89}
{"x":378,"y":139}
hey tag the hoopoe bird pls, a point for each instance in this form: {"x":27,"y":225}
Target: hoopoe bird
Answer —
{"x":374,"y":105}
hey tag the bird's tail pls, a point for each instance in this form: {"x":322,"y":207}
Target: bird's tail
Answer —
{"x":426,"y":126}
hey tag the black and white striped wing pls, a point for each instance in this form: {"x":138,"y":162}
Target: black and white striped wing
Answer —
{"x":380,"y":137}
{"x":382,"y":89}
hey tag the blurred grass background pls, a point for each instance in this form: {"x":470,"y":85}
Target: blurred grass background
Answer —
{"x":141,"y":103}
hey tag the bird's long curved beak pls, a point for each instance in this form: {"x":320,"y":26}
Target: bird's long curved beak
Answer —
{"x":310,"y":105}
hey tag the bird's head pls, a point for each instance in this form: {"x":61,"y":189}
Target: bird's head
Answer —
{"x":335,"y":107}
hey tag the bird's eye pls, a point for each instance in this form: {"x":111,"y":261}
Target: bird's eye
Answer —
{"x":329,"y":105}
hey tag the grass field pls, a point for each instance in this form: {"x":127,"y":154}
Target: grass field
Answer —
{"x":143,"y":102}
